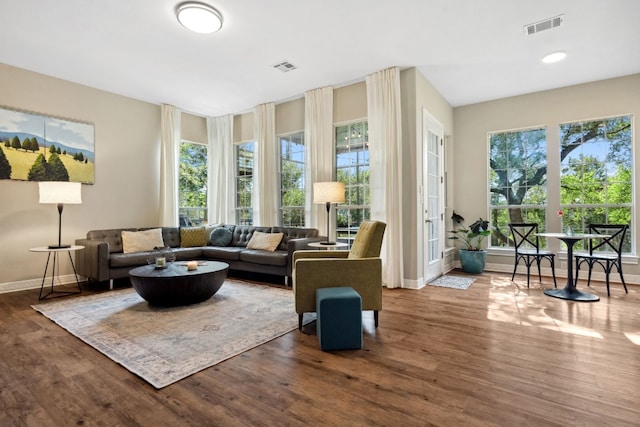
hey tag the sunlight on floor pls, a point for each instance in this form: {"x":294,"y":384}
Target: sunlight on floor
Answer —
{"x":634,"y":337}
{"x":510,"y":303}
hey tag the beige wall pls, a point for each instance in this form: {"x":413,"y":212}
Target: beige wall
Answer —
{"x":549,"y":108}
{"x":418,"y":95}
{"x":126,"y":189}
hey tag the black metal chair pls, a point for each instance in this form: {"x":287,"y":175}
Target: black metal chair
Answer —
{"x":527,"y":249}
{"x":604,"y":251}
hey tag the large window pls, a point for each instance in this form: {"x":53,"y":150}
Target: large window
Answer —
{"x":292,"y":190}
{"x":244,"y":183}
{"x":352,"y":168}
{"x":192,"y":183}
{"x":517,"y":180}
{"x":596,"y":177}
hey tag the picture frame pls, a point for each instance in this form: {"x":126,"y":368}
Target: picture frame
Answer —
{"x":41,"y":147}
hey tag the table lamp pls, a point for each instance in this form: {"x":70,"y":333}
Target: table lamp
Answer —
{"x":328,"y":193}
{"x":59,"y":192}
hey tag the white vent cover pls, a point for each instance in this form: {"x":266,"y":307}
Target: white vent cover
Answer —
{"x":285,"y":66}
{"x":547,"y":24}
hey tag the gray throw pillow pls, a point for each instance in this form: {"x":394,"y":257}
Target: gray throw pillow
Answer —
{"x":220,"y":236}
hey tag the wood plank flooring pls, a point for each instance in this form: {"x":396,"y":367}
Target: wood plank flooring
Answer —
{"x":497,"y":354}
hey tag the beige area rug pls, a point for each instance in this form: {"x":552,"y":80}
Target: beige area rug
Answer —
{"x":165,"y":345}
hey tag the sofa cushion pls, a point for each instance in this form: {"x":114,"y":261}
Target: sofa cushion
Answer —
{"x":220,"y":236}
{"x":257,"y":256}
{"x":265,"y":241}
{"x":141,"y":241}
{"x":242,"y":234}
{"x":192,"y":237}
{"x":222,"y":253}
{"x":135,"y":259}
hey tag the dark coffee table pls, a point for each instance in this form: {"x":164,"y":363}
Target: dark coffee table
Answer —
{"x":175,"y":285}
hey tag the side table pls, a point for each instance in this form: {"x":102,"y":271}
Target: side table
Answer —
{"x":54,"y":271}
{"x":334,"y":247}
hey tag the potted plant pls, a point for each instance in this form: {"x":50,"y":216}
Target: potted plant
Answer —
{"x":472,"y":256}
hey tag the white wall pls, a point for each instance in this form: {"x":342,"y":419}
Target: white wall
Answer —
{"x":549,"y":108}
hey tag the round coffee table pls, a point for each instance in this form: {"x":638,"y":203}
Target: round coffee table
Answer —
{"x":175,"y":285}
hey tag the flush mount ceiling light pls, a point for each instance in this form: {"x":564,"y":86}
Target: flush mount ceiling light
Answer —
{"x":199,"y":17}
{"x":554,"y":57}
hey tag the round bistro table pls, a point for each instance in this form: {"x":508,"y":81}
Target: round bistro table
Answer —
{"x":570,"y":291}
{"x":175,"y":285}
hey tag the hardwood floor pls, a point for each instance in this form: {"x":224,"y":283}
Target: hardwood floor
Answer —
{"x":495,"y":354}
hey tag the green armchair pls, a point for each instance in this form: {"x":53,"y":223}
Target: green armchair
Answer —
{"x":359,"y":268}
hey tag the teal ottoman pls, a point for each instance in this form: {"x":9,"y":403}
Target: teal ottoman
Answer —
{"x":339,"y":318}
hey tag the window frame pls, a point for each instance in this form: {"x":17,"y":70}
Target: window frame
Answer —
{"x":576,"y":214}
{"x":530,"y":212}
{"x":247,"y":208}
{"x":184,"y":212}
{"x":282,"y":208}
{"x":346,"y":234}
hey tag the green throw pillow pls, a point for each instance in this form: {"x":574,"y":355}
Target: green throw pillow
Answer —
{"x":192,"y":237}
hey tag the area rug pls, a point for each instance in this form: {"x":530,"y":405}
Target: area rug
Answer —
{"x":454,"y":282}
{"x":165,"y":345}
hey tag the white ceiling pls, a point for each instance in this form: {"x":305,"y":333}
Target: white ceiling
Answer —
{"x":470,"y":50}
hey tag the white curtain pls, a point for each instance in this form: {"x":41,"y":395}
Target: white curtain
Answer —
{"x":385,"y":151}
{"x":265,"y":170}
{"x":319,"y":150}
{"x":169,"y":156}
{"x":221,"y":170}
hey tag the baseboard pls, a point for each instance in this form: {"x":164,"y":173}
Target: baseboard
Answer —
{"x":630,"y":279}
{"x":24,"y":285}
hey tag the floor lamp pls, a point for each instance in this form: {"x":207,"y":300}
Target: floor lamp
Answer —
{"x":328,"y":193}
{"x":60,"y":192}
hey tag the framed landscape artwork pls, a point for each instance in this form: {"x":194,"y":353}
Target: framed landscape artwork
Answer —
{"x":35,"y":147}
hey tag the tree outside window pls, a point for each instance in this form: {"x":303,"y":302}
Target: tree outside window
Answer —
{"x":292,"y":188}
{"x":192,"y":183}
{"x":244,"y":183}
{"x":352,"y":168}
{"x":517,"y":180}
{"x":596,"y":177}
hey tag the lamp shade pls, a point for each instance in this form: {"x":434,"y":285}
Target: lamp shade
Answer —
{"x":57,"y":192}
{"x":328,"y":192}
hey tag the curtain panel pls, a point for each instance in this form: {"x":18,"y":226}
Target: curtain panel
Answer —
{"x":265,"y":166}
{"x":221,"y":170}
{"x":385,"y":150}
{"x":169,"y":156}
{"x":319,"y":150}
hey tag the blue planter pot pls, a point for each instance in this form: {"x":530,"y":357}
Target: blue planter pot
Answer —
{"x":472,"y":261}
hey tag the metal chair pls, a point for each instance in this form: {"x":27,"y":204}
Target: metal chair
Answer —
{"x":527,"y":249}
{"x":604,"y":251}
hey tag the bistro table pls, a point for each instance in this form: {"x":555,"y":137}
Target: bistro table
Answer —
{"x":569,"y":291}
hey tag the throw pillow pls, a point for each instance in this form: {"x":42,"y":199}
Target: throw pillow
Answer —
{"x":141,"y":241}
{"x":192,"y":237}
{"x":220,"y":236}
{"x":266,"y":241}
{"x":208,"y":228}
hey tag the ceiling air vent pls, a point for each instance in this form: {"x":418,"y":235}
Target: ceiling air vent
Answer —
{"x":285,"y":66}
{"x":547,"y":24}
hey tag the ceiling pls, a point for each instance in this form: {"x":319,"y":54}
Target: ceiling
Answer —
{"x":471,"y":51}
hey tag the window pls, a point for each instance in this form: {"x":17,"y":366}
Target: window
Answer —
{"x":292,"y":190}
{"x":352,"y":168}
{"x":517,"y":180}
{"x":596,"y":177}
{"x":244,"y":183}
{"x":192,"y":183}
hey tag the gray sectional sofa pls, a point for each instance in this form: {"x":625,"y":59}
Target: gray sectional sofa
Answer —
{"x":103,"y":259}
